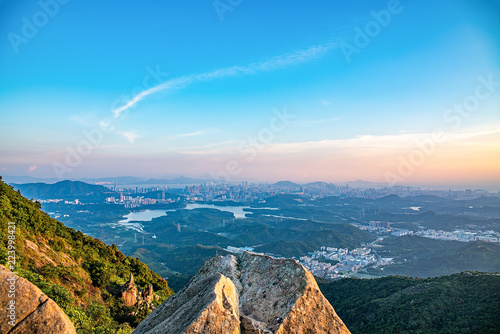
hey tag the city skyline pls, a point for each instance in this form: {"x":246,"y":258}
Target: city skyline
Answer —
{"x":395,"y":92}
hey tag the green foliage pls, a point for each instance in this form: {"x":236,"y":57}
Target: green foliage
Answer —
{"x":460,"y":303}
{"x":40,"y":281}
{"x":96,"y":319}
{"x":425,"y":257}
{"x":286,"y":248}
{"x":99,"y":273}
{"x":61,"y":295}
{"x":80,"y":319}
{"x":186,"y":259}
{"x":5,"y":207}
{"x":177,"y":282}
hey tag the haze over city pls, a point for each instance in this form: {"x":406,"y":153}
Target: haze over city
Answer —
{"x":396,"y":92}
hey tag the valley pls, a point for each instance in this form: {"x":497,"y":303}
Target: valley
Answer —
{"x":292,"y":221}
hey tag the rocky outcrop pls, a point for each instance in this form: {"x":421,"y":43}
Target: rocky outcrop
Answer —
{"x":148,"y":296}
{"x":25,"y":309}
{"x":246,"y":294}
{"x":207,"y":306}
{"x":133,"y":297}
{"x":130,"y":293}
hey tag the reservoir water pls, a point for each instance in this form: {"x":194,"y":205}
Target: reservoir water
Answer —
{"x":148,"y":215}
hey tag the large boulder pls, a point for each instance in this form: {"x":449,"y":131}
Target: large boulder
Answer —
{"x":246,"y":294}
{"x":26,"y":309}
{"x":207,"y":306}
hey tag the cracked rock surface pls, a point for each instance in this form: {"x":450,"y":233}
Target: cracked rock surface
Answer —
{"x":35,"y":313}
{"x":246,"y":294}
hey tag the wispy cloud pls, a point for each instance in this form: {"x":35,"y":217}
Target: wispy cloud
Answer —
{"x":191,"y":134}
{"x":375,"y":143}
{"x":130,"y":136}
{"x":294,"y":58}
{"x":398,"y":143}
{"x":32,"y":168}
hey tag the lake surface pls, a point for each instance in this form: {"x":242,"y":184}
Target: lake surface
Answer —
{"x":143,"y":216}
{"x":237,"y":211}
{"x":148,"y":215}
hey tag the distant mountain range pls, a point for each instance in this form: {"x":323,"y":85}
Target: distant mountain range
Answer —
{"x":132,"y":180}
{"x":319,"y":184}
{"x":67,"y":190}
{"x":120,"y":180}
{"x":287,"y":184}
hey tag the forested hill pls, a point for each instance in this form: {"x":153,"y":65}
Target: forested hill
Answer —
{"x":72,"y":268}
{"x":67,"y":190}
{"x":468,"y":302}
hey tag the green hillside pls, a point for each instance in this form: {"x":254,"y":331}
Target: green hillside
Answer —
{"x":73,"y":269}
{"x":286,"y":248}
{"x":292,"y":243}
{"x":461,"y":303}
{"x":424,"y":257}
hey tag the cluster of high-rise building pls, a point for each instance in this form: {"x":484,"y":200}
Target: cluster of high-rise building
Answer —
{"x":251,"y":192}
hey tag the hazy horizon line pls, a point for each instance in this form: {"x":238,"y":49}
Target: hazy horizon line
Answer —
{"x":368,"y":183}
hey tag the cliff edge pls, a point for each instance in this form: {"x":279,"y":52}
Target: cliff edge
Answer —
{"x":246,"y":294}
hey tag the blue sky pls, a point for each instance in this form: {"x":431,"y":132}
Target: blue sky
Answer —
{"x":186,"y":85}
